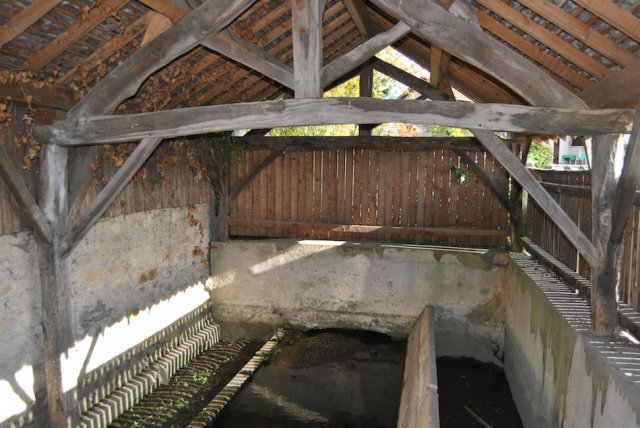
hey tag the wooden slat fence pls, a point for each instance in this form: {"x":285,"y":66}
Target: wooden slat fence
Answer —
{"x":176,"y":186}
{"x":392,"y":196}
{"x":573,"y":192}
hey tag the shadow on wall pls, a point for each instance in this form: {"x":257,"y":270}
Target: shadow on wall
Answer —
{"x":131,"y":277}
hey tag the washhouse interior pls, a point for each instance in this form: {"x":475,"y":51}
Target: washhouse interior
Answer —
{"x":252,"y":212}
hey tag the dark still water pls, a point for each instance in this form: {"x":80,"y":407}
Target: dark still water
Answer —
{"x":324,"y":379}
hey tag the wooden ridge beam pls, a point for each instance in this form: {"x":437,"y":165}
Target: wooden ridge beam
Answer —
{"x":585,"y":34}
{"x":23,"y":20}
{"x":415,"y":83}
{"x":197,"y":120}
{"x":406,"y":144}
{"x":547,"y":38}
{"x":619,"y":89}
{"x":362,"y":53}
{"x":614,"y":15}
{"x":95,"y":16}
{"x":518,"y":171}
{"x":17,"y":187}
{"x":109,"y":193}
{"x":306,"y":17}
{"x":471,"y":44}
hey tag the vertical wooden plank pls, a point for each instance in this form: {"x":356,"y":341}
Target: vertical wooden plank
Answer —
{"x":325,"y":194}
{"x":349,"y":202}
{"x":357,"y":189}
{"x":421,"y":171}
{"x":286,"y":192}
{"x":341,"y":186}
{"x":302,"y":192}
{"x":271,"y":196}
{"x":364,"y":190}
{"x":443,"y":202}
{"x":397,"y":193}
{"x":372,"y":192}
{"x":256,"y":156}
{"x":429,"y":197}
{"x":381,"y":191}
{"x":389,"y":179}
{"x":332,"y":190}
{"x":454,"y":194}
{"x":309,"y":196}
{"x":278,"y":168}
{"x":413,"y":197}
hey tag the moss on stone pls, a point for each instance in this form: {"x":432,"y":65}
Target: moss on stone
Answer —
{"x":473,"y":261}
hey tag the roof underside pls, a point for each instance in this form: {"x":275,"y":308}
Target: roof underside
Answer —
{"x":73,"y":44}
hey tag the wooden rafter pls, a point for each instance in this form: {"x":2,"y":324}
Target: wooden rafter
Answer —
{"x":111,"y":47}
{"x":28,"y":16}
{"x":165,"y":7}
{"x":614,"y":15}
{"x":580,"y":31}
{"x":533,"y":51}
{"x":252,"y":56}
{"x":210,"y":17}
{"x":362,"y":53}
{"x":415,"y":83}
{"x":73,"y":34}
{"x":360,"y":16}
{"x":329,"y":111}
{"x":306,"y":17}
{"x":33,"y":215}
{"x":433,"y":23}
{"x":439,"y":58}
{"x":547,"y":38}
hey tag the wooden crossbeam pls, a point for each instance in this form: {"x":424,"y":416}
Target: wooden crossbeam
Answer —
{"x":165,"y":7}
{"x":532,"y":51}
{"x":95,"y":16}
{"x":329,"y":111}
{"x":24,"y":198}
{"x":362,"y":53}
{"x":410,"y":80}
{"x":27,"y":17}
{"x":307,"y":47}
{"x":619,"y":18}
{"x":406,"y":144}
{"x":547,"y":38}
{"x":580,"y":31}
{"x":433,"y":23}
{"x":620,"y":89}
{"x":109,"y":193}
{"x":518,"y":171}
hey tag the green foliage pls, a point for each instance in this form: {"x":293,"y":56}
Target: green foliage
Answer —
{"x":182,"y":404}
{"x":202,"y":376}
{"x":540,"y":156}
{"x":445,"y":131}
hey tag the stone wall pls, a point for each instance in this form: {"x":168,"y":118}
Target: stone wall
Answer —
{"x":379,"y":287}
{"x":131,"y":276}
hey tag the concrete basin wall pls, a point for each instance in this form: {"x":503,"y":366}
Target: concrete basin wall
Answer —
{"x":379,"y":287}
{"x":559,"y":374}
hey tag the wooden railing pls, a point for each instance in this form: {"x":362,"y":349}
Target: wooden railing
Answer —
{"x":572,"y":191}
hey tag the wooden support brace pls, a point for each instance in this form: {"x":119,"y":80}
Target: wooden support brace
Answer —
{"x":109,"y":193}
{"x":513,"y":165}
{"x":25,"y":199}
{"x":499,"y":193}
